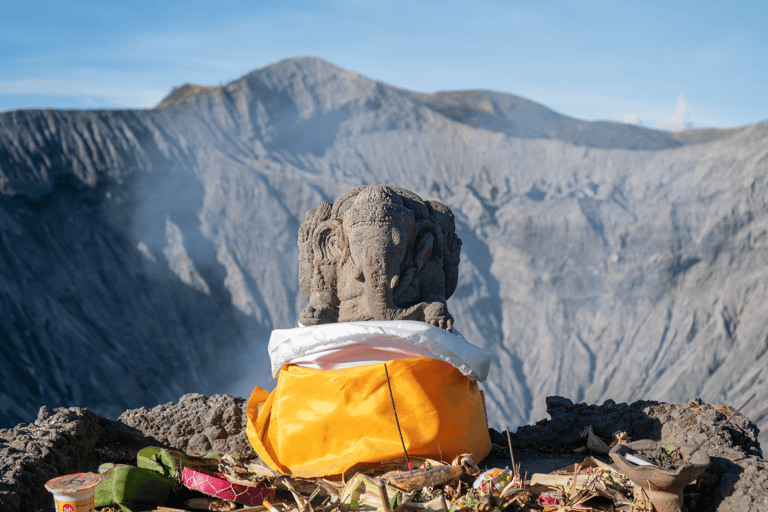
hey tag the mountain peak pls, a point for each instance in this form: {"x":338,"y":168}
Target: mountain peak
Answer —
{"x":280,"y":72}
{"x":307,"y":62}
{"x":183,"y":92}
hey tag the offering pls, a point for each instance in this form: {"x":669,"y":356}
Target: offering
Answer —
{"x":73,"y":493}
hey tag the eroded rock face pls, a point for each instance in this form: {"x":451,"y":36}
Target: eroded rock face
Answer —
{"x":59,"y":442}
{"x":196,"y":424}
{"x":378,"y":253}
{"x":737,"y":477}
{"x":72,"y":440}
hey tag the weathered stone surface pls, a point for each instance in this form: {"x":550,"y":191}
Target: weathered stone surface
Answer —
{"x":58,"y":443}
{"x":69,"y":440}
{"x":737,"y":478}
{"x":378,"y":253}
{"x":196,"y":424}
{"x":563,"y":431}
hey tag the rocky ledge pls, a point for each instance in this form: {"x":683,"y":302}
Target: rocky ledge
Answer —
{"x":75,"y":439}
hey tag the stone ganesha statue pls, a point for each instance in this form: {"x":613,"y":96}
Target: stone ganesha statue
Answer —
{"x":378,"y":253}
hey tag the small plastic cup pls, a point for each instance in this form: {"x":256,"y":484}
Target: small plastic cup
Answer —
{"x":493,"y":480}
{"x":73,"y":493}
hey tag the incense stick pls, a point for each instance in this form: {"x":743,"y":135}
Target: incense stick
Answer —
{"x":511,"y":454}
{"x":392,"y":398}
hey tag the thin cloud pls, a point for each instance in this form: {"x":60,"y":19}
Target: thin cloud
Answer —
{"x":680,"y":119}
{"x":632,"y":119}
{"x":121,"y":97}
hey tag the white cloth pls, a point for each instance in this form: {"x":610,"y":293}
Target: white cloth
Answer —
{"x":346,"y":344}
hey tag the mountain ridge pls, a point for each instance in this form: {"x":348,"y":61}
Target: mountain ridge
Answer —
{"x":481,"y":109}
{"x":591,"y":273}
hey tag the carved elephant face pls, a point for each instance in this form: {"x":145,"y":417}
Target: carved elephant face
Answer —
{"x":380,"y":253}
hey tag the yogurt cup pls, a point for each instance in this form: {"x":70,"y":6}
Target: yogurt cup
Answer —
{"x":493,"y":480}
{"x":73,"y":493}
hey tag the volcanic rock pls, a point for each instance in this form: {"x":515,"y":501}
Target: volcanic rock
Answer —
{"x":196,"y":424}
{"x":737,"y":477}
{"x":65,"y":440}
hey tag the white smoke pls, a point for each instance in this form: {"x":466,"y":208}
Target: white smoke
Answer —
{"x":632,"y":119}
{"x":679,"y":120}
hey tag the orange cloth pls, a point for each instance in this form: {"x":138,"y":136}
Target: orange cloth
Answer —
{"x":321,"y":423}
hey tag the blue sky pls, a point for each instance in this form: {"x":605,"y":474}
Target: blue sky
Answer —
{"x":634,"y":61}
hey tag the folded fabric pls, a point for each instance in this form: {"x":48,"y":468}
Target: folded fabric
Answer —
{"x":321,"y":423}
{"x":348,"y":344}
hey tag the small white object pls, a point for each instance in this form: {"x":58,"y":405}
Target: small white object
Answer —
{"x":269,"y":506}
{"x":639,"y":462}
{"x":74,"y":492}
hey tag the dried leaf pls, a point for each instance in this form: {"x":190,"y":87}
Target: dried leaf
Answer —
{"x":432,"y":477}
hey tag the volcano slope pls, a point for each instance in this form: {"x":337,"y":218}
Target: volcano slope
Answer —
{"x":148,"y":253}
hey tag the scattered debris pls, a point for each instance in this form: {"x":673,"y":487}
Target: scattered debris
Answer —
{"x":666,"y":456}
{"x":594,"y":443}
{"x":591,"y":485}
{"x":662,"y":470}
{"x":246,"y":484}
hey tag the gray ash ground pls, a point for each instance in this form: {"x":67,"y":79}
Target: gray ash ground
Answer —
{"x":69,"y":440}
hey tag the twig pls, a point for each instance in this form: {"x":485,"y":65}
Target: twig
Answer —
{"x":443,"y":503}
{"x":705,"y":441}
{"x":383,"y":495}
{"x":312,"y":496}
{"x":296,"y":496}
{"x":330,"y":488}
{"x":458,"y":493}
{"x":392,"y":398}
{"x":575,"y":476}
{"x":511,"y":454}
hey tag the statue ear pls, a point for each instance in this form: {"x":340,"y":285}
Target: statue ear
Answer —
{"x":451,"y":262}
{"x":424,"y":247}
{"x":312,"y":219}
{"x":450,"y":244}
{"x":330,"y":242}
